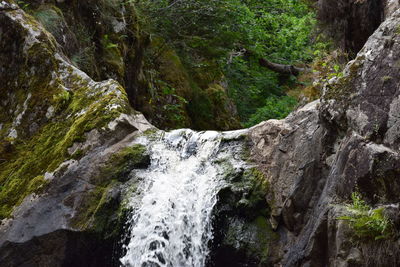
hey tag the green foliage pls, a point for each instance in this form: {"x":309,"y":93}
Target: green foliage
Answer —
{"x":121,"y":164}
{"x":173,"y":105}
{"x":250,"y":85}
{"x":84,"y":57}
{"x":200,"y":107}
{"x":367,"y":223}
{"x":23,"y":4}
{"x":275,"y":108}
{"x":107,"y":43}
{"x":230,"y":36}
{"x":112,"y":56}
{"x":283,"y":29}
{"x":281,"y":34}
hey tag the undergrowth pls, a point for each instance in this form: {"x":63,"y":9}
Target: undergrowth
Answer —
{"x":368,"y":223}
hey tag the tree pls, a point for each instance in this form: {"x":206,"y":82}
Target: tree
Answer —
{"x":252,"y":41}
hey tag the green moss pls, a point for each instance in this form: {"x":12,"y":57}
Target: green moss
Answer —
{"x":96,"y":211}
{"x":35,"y":185}
{"x":255,"y":200}
{"x":152,"y":134}
{"x":78,"y":111}
{"x":62,"y":99}
{"x":253,"y":238}
{"x":264,"y":237}
{"x":44,"y":152}
{"x":251,"y":189}
{"x":397,"y":31}
{"x":102,"y":212}
{"x":80,"y":106}
{"x":90,"y":204}
{"x":121,"y":164}
{"x":344,"y":87}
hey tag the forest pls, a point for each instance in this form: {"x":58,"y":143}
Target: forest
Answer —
{"x":220,"y":49}
{"x":231,"y":37}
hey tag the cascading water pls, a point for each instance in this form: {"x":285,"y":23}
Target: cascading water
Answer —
{"x":171,"y":226}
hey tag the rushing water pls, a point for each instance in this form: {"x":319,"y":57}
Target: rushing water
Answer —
{"x":171,"y":226}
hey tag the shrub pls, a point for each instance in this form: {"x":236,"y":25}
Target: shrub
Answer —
{"x":275,"y":107}
{"x":367,"y":223}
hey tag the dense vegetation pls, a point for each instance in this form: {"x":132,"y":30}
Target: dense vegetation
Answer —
{"x":189,"y":63}
{"x":230,"y":37}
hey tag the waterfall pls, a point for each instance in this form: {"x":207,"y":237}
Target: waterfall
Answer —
{"x":172,"y":223}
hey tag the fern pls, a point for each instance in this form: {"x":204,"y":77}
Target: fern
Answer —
{"x":367,"y":223}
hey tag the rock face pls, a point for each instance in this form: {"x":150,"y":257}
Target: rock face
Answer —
{"x":351,"y":22}
{"x":346,"y":142}
{"x":60,"y":131}
{"x":242,"y":234}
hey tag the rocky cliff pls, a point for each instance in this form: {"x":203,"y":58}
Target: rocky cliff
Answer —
{"x":346,"y":142}
{"x":53,"y":119}
{"x":351,"y":22}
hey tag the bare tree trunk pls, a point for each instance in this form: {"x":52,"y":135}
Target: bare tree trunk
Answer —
{"x":281,"y":68}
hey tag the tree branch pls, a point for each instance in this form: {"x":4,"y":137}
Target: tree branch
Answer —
{"x":281,"y":68}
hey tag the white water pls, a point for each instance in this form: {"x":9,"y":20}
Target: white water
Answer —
{"x":172,"y":224}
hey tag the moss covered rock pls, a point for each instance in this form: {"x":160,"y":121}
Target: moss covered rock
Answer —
{"x":50,"y":106}
{"x":109,"y":40}
{"x":243,"y":235}
{"x":61,"y":136}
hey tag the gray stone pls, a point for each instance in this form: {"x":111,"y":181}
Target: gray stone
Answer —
{"x":320,"y":154}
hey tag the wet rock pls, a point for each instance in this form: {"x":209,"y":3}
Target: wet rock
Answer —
{"x":59,"y":248}
{"x":243,"y":236}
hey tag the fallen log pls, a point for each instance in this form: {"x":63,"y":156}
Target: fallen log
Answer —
{"x":281,"y":68}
